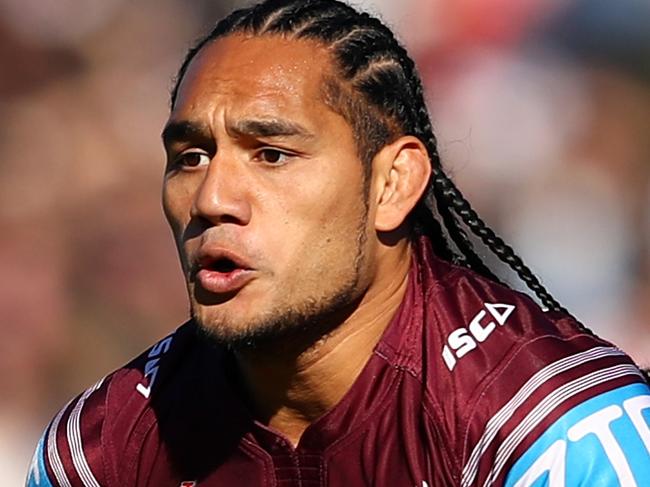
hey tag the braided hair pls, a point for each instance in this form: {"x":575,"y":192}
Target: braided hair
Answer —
{"x":379,"y":92}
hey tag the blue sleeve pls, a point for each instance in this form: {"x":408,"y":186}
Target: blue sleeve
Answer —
{"x":602,"y":442}
{"x":37,"y":475}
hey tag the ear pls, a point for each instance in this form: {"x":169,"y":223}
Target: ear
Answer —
{"x":401,"y":171}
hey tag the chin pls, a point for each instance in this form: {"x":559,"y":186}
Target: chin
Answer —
{"x":232,"y":328}
{"x":296,"y":325}
{"x":219,"y":322}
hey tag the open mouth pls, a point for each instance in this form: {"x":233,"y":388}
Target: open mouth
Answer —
{"x":223,"y":265}
{"x":222,"y":272}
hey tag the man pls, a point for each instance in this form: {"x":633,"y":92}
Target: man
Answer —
{"x":336,"y":338}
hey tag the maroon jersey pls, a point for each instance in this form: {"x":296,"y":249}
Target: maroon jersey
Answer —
{"x":470,"y":385}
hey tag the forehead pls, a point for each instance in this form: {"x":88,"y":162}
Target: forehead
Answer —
{"x":258,"y":73}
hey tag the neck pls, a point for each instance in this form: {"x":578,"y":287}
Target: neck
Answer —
{"x":292,"y":386}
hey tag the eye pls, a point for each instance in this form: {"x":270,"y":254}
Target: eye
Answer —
{"x":192,"y":159}
{"x":273,"y":156}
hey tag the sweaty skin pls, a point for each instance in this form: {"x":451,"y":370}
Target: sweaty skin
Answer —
{"x":262,"y":171}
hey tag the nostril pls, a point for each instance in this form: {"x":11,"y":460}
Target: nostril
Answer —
{"x":227,"y":218}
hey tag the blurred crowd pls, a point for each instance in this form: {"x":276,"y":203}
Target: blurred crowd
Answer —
{"x":541,"y":109}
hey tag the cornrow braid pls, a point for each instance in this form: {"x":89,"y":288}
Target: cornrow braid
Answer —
{"x":376,"y":87}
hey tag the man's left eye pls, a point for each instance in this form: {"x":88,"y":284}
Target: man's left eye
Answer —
{"x":273,"y":156}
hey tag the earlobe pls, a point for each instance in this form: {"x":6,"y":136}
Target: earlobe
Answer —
{"x":402,"y":170}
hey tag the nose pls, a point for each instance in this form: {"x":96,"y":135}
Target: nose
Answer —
{"x":222,"y":194}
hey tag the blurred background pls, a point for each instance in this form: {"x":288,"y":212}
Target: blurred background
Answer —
{"x":541,"y":108}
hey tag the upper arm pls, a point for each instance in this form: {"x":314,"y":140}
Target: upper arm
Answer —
{"x":560,"y":413}
{"x":38,"y":475}
{"x":70,"y":452}
{"x":604,"y":441}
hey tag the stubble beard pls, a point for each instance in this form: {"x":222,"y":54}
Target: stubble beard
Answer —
{"x":300,"y":324}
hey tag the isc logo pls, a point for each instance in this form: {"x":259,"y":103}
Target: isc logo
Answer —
{"x":463,"y":340}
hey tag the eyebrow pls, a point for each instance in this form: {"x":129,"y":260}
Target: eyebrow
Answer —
{"x":187,"y":130}
{"x":270,"y":128}
{"x":184,"y":130}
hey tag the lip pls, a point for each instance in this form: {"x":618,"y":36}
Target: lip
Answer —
{"x":222,"y":282}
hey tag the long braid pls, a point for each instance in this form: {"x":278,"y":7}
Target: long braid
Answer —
{"x":506,"y":253}
{"x":449,"y":201}
{"x":443,"y":186}
{"x":448,"y":192}
{"x":386,"y":101}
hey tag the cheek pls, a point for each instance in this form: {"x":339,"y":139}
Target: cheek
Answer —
{"x":322,"y":230}
{"x":331,"y":192}
{"x":318,"y":215}
{"x":177,"y":202}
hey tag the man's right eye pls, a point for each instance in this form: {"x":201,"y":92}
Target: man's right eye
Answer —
{"x":192,"y":159}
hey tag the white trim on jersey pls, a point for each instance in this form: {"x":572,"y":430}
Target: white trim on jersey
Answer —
{"x":74,"y":440}
{"x":546,"y":406}
{"x":53,"y":450}
{"x":506,"y":412}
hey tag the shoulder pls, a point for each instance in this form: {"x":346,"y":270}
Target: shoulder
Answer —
{"x":521,"y":391}
{"x":479,"y":331}
{"x":477,"y":328}
{"x":82,"y":443}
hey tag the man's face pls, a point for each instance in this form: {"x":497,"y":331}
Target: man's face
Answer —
{"x":264,"y":190}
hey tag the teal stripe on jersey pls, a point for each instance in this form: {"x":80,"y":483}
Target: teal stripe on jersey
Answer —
{"x":603,"y":442}
{"x":37,"y":472}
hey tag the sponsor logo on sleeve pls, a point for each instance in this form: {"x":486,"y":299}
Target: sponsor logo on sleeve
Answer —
{"x":463,"y":340}
{"x":603,"y":441}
